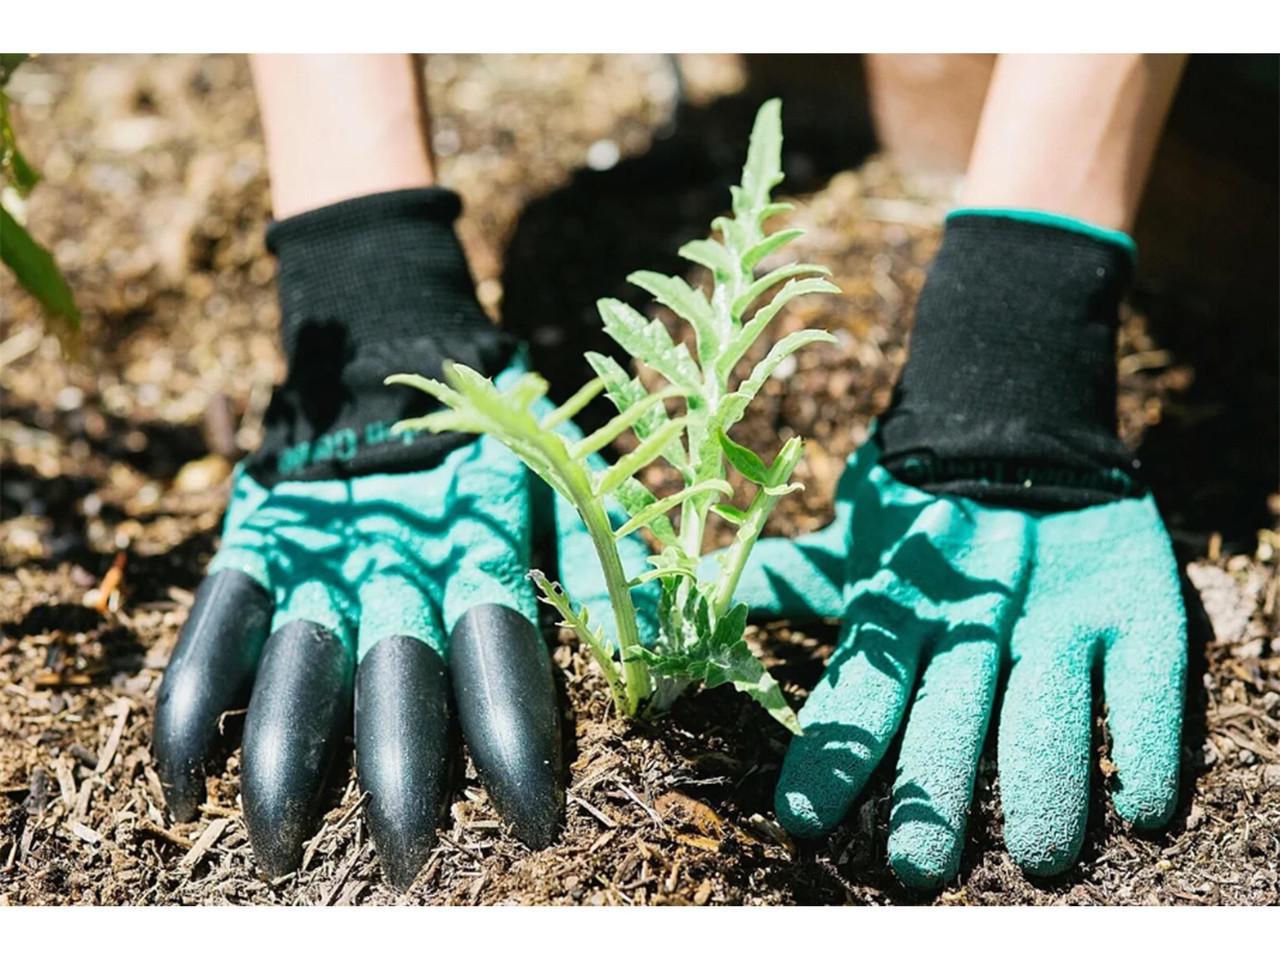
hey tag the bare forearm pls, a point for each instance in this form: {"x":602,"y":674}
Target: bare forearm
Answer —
{"x":1072,"y":134}
{"x":341,"y":126}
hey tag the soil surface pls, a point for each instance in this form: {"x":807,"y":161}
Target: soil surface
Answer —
{"x":575,"y":171}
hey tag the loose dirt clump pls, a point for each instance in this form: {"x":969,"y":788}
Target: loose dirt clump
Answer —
{"x":575,"y":171}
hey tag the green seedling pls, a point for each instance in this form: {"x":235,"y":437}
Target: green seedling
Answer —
{"x":685,"y":422}
{"x":32,"y":265}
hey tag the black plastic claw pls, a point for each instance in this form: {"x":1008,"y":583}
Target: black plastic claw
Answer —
{"x":507,"y":708}
{"x":300,"y":706}
{"x":209,"y":673}
{"x":402,"y":750}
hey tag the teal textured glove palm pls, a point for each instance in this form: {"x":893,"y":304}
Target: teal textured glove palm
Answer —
{"x":938,"y":595}
{"x":390,"y":553}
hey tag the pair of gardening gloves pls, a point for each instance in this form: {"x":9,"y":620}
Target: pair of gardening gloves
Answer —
{"x":404,"y":590}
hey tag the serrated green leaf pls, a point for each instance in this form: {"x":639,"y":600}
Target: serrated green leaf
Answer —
{"x":611,"y":430}
{"x":771,"y":279}
{"x":773,"y":209}
{"x":753,"y":328}
{"x":772,"y":242}
{"x":574,"y":404}
{"x":624,"y":392}
{"x":579,"y":621}
{"x":649,"y":342}
{"x":34,"y":268}
{"x":687,"y":303}
{"x":779,"y":352}
{"x":712,"y":255}
{"x":660,"y":507}
{"x":427,"y":385}
{"x":635,"y":497}
{"x":763,"y":169}
{"x":782,"y":489}
{"x":744,"y":460}
{"x":675,"y":294}
{"x":729,"y":512}
{"x":640,"y":457}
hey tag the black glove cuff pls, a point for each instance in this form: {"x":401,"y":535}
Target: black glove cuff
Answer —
{"x":369,"y":287}
{"x":1009,"y":394}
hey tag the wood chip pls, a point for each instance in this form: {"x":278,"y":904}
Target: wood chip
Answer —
{"x":599,"y":814}
{"x":66,"y":782}
{"x":211,"y":834}
{"x":345,"y":872}
{"x":653,"y":813}
{"x":108,"y":753}
{"x":161,"y":833}
{"x":81,"y":831}
{"x":83,"y":799}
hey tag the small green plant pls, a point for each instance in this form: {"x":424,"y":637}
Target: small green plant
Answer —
{"x":700,"y":627}
{"x":31,"y":263}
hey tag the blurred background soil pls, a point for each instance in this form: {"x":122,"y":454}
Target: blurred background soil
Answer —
{"x":575,"y":171}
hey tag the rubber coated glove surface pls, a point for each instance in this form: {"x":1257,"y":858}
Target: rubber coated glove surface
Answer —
{"x":371,"y":589}
{"x":937,"y":596}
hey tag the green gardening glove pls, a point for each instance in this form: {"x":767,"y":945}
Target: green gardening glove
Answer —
{"x":375,"y":588}
{"x":938,"y":593}
{"x":367,"y":571}
{"x":992,"y":527}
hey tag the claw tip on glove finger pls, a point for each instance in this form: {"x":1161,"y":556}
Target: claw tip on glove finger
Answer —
{"x":510,"y":718}
{"x":300,"y":705}
{"x":402,"y":750}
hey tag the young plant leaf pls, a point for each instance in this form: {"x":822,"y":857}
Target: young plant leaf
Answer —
{"x":744,"y":460}
{"x":763,"y":169}
{"x":650,"y":343}
{"x":751,"y":330}
{"x":772,"y":242}
{"x":579,"y":621}
{"x":35,"y":270}
{"x":712,"y":255}
{"x":638,"y":458}
{"x":660,"y":507}
{"x":771,"y":279}
{"x":636,"y":498}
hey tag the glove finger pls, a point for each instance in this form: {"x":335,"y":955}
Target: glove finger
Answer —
{"x":301,"y":704}
{"x":498,"y":662}
{"x":1143,"y":674}
{"x":850,"y":717}
{"x":212,"y":667}
{"x":510,"y":718}
{"x":488,"y":532}
{"x":1043,"y":742}
{"x":403,"y":750}
{"x":210,"y":673}
{"x":402,"y":723}
{"x":940,"y":750}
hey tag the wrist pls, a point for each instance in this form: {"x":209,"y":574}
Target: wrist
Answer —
{"x":369,"y":287}
{"x":1009,"y":392}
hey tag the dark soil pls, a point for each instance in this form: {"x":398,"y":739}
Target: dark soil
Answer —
{"x":155,"y":200}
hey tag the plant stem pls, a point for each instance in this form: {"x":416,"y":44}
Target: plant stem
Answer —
{"x":736,"y":558}
{"x":635,"y":675}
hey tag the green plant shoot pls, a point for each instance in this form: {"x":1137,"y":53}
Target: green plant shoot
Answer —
{"x":686,"y":422}
{"x":32,"y":265}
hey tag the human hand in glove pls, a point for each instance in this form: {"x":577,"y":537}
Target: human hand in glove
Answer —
{"x":991,"y":531}
{"x":362,"y":567}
